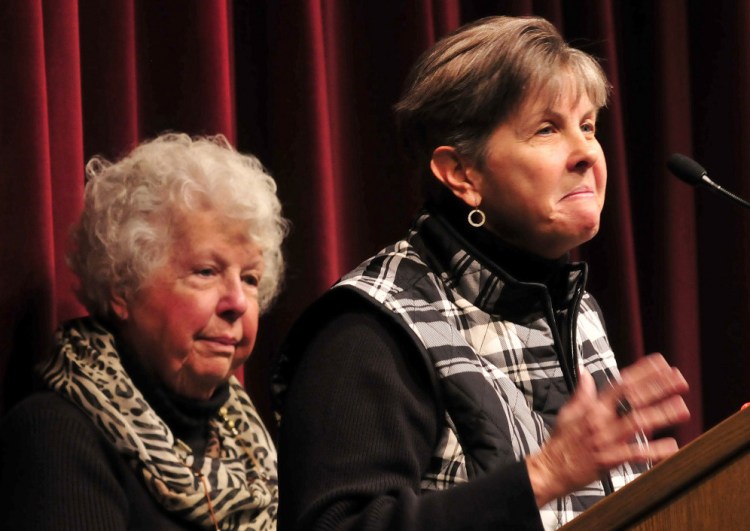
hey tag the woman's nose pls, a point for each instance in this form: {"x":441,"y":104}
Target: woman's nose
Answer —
{"x":584,"y":152}
{"x":233,"y":301}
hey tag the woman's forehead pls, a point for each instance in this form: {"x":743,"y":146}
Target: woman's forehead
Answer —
{"x":563,"y":89}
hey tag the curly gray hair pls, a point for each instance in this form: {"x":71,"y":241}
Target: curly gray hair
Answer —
{"x":120,"y":237}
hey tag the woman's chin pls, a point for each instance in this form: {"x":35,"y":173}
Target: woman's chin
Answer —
{"x":585,"y":226}
{"x":201,"y":384}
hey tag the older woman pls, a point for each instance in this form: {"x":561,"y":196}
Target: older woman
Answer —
{"x":143,"y":425}
{"x":462,"y":378}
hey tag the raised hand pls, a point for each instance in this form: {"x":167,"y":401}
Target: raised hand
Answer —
{"x":596,"y":431}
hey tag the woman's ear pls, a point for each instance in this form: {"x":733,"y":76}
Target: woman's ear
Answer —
{"x":449,"y":168}
{"x":119,"y":306}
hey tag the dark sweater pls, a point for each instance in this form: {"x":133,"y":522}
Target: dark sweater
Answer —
{"x":57,"y":471}
{"x":359,"y":428}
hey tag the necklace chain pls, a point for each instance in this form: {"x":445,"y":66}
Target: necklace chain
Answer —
{"x":204,"y":481}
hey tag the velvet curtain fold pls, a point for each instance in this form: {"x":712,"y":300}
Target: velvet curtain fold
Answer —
{"x":41,"y":163}
{"x":308,"y":86}
{"x":81,"y":78}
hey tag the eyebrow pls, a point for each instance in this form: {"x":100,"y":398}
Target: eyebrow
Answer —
{"x":533,"y":119}
{"x":550,"y":111}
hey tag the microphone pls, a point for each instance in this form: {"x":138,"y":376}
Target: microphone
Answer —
{"x":686,"y":169}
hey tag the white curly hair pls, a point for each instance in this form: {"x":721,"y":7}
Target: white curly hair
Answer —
{"x":121,"y":235}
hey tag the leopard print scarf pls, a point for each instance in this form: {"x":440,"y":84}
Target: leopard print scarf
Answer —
{"x":241,"y":482}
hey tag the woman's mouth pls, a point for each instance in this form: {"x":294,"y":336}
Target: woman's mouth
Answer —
{"x":579,"y":192}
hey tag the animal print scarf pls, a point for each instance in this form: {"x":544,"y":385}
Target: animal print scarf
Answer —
{"x":240,"y":482}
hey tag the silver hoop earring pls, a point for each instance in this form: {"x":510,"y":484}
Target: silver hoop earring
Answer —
{"x":476,"y":218}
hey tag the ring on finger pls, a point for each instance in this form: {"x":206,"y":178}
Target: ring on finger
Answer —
{"x":623,"y":407}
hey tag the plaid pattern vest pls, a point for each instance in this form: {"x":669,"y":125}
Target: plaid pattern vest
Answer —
{"x":495,"y":349}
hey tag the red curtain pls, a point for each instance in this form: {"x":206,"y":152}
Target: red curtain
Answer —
{"x":308,"y":86}
{"x":80,"y":78}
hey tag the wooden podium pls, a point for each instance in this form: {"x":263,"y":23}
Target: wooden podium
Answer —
{"x":704,"y":486}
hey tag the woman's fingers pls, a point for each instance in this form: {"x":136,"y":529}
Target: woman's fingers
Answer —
{"x":647,"y":398}
{"x":660,"y":449}
{"x":585,"y":393}
{"x":580,"y":403}
{"x":637,"y":452}
{"x":597,"y":431}
{"x":646,"y":420}
{"x":647,"y":381}
{"x":661,"y":386}
{"x":667,"y":412}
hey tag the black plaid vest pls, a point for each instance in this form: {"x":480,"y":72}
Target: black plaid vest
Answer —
{"x":494,"y":347}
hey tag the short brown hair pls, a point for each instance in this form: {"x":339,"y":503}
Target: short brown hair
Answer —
{"x":463,"y":87}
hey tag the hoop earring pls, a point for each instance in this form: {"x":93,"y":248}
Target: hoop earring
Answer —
{"x":476,"y":218}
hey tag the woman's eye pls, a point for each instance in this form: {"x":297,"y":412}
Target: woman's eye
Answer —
{"x":251,"y":280}
{"x":204,"y":272}
{"x":588,"y":128}
{"x":547,"y":130}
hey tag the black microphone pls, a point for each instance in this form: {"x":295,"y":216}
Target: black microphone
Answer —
{"x":686,"y":169}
